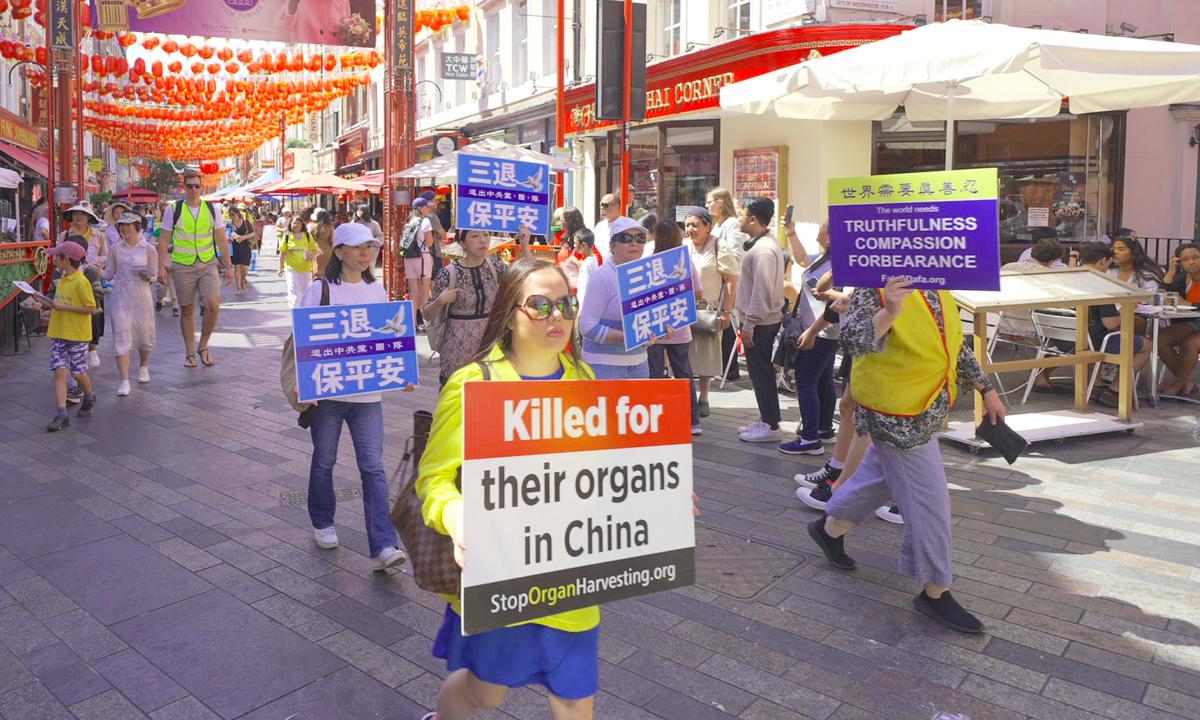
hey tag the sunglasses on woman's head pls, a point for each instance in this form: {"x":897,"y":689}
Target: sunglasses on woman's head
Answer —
{"x":540,"y":307}
{"x":627,"y":238}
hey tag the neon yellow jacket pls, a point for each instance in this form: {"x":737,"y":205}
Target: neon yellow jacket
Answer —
{"x":442,"y":459}
{"x":919,"y":361}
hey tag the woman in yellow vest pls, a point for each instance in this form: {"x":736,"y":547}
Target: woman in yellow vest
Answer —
{"x":531,"y":321}
{"x":297,"y":251}
{"x":908,"y":363}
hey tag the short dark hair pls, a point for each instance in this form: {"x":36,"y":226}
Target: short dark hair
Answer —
{"x":761,"y":209}
{"x":1187,"y":246}
{"x":1047,"y":250}
{"x":1091,"y":253}
{"x":191,"y":174}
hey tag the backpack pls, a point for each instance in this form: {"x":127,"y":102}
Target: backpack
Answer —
{"x":410,"y":239}
{"x":179,"y":209}
{"x":288,"y":380}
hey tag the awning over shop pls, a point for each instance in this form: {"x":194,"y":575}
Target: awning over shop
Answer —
{"x":34,"y":161}
{"x":373,"y":181}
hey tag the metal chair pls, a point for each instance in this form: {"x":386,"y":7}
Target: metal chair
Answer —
{"x":1053,"y":329}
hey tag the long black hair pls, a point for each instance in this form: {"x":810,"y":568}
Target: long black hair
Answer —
{"x":496,"y":332}
{"x":333,"y":270}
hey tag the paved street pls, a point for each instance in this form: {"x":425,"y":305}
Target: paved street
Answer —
{"x":151,"y":566}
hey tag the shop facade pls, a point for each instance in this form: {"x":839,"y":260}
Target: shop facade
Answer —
{"x":20,"y":151}
{"x":688,"y":145}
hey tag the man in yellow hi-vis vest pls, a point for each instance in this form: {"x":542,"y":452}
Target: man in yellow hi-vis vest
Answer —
{"x":192,"y":233}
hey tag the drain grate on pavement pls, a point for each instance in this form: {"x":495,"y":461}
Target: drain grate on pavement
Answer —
{"x":300,"y":497}
{"x":735,"y":566}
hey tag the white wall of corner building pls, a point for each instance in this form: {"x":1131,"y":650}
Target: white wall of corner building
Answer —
{"x":817,"y":151}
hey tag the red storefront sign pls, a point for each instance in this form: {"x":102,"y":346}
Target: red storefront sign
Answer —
{"x":351,"y":147}
{"x":289,"y":161}
{"x":692,"y":82}
{"x":17,"y":132}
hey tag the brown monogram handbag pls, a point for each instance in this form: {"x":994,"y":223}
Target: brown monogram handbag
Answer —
{"x":430,"y":553}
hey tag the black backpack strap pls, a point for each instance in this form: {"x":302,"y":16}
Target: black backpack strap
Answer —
{"x":324,"y":290}
{"x":177,"y":214}
{"x":487,"y":372}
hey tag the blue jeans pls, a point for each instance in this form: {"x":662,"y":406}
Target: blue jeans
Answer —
{"x":640,"y":371}
{"x":814,"y":387}
{"x":366,"y":430}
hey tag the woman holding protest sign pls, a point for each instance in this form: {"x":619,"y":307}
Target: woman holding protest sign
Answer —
{"x":525,"y":338}
{"x":600,"y":316}
{"x":348,"y":280}
{"x":676,"y":349}
{"x":909,"y":359}
{"x":465,"y":290}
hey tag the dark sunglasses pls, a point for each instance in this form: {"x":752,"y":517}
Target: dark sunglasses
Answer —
{"x":540,"y":307}
{"x":628,"y":238}
{"x":192,"y":186}
{"x":605,"y":206}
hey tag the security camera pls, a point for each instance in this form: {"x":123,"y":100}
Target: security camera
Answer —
{"x":1128,"y":27}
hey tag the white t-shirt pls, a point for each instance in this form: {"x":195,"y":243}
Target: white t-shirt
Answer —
{"x":602,"y":238}
{"x":42,"y":227}
{"x":348,"y":294}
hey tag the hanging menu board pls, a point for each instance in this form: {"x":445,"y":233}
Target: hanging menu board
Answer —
{"x":761,"y":172}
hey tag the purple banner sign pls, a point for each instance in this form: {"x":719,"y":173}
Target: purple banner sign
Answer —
{"x":348,"y":350}
{"x":936,"y":244}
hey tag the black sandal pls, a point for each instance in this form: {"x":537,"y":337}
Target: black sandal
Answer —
{"x":189,"y":361}
{"x":206,"y":357}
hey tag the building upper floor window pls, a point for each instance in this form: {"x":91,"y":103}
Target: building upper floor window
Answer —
{"x":671,"y":22}
{"x":944,"y":10}
{"x":737,"y":15}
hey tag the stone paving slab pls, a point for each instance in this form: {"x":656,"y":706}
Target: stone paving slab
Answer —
{"x":148,"y":569}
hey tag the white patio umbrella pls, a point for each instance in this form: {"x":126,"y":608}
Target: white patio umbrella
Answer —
{"x":972,"y":70}
{"x":446,"y":166}
{"x":9,"y":180}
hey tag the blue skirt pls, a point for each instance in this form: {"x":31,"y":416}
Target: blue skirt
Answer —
{"x":566,"y":663}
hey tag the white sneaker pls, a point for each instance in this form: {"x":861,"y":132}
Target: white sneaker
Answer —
{"x":388,"y":557}
{"x":751,"y":426}
{"x":123,"y":389}
{"x":144,"y":375}
{"x":762,"y":434}
{"x":93,"y":359}
{"x":326,"y":537}
{"x":889,"y":513}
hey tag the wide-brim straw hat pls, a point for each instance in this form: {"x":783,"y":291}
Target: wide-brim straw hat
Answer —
{"x":83,"y":209}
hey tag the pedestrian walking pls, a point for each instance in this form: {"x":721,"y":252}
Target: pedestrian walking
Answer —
{"x":416,"y":246}
{"x":349,"y":280}
{"x":192,"y":229}
{"x":322,"y":232}
{"x":132,"y":263}
{"x":242,"y":247}
{"x":297,"y":251}
{"x":578,"y":248}
{"x":82,"y":223}
{"x":362,"y":214}
{"x":70,"y":329}
{"x":676,"y":349}
{"x":760,"y":311}
{"x":909,"y":359}
{"x":717,"y":275}
{"x":526,"y":338}
{"x":466,"y":288}
{"x":600,"y":315}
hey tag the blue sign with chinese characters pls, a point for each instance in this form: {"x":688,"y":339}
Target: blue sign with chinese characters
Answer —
{"x":346,"y":350}
{"x":657,"y":292}
{"x":502,"y":195}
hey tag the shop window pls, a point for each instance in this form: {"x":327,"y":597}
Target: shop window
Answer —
{"x":944,"y":10}
{"x":671,"y":19}
{"x":1059,"y":176}
{"x":738,"y":15}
